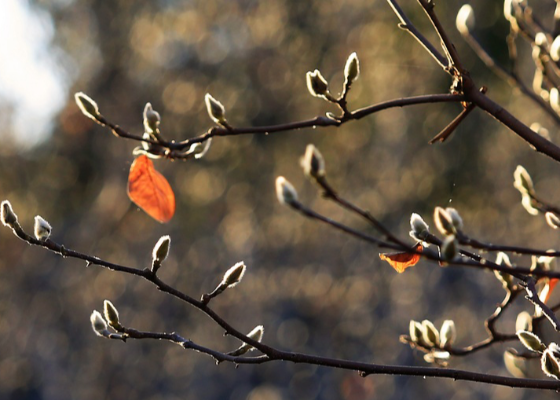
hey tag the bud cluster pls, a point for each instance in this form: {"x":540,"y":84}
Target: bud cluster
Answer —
{"x":426,"y":335}
{"x":319,"y":87}
{"x":100,"y":323}
{"x":449,"y":223}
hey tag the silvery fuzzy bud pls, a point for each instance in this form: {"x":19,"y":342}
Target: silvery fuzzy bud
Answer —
{"x":450,"y":248}
{"x":313,"y":162}
{"x":465,"y":21}
{"x":552,"y":220}
{"x":443,"y":221}
{"x":256,"y":334}
{"x":430,"y":333}
{"x":160,"y":252}
{"x":352,"y":68}
{"x":42,"y":228}
{"x":456,"y":219}
{"x":7,"y":214}
{"x":555,"y":100}
{"x":87,"y":105}
{"x":509,"y":11}
{"x":234,"y":275}
{"x":419,"y":227}
{"x":531,"y":341}
{"x":515,"y":365}
{"x":555,"y":49}
{"x":537,"y":54}
{"x":538,"y":79}
{"x":541,"y":39}
{"x":447,"y":333}
{"x":555,"y":349}
{"x":316,"y":84}
{"x":111,"y":314}
{"x":161,"y":249}
{"x":542,"y":263}
{"x":506,"y":279}
{"x":98,"y":324}
{"x":215,"y":109}
{"x":522,"y":181}
{"x":437,"y":357}
{"x":199,"y":150}
{"x":527,"y":203}
{"x":524,"y":322}
{"x":151,"y":119}
{"x":285,"y":191}
{"x":416,"y":331}
{"x":550,"y":364}
{"x":503,"y":259}
{"x":541,"y":130}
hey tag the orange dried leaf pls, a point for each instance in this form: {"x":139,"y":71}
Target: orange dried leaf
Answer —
{"x":402,"y":260}
{"x":150,"y":191}
{"x":551,"y":283}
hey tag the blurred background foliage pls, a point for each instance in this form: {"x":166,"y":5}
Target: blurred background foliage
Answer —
{"x":314,"y":289}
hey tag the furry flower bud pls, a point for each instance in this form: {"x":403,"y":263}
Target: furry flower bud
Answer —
{"x":316,"y":84}
{"x":448,"y":333}
{"x":443,"y":221}
{"x":352,"y":68}
{"x":522,"y":181}
{"x":531,"y":341}
{"x":285,"y":191}
{"x":42,"y":228}
{"x":160,"y":252}
{"x":234,"y":275}
{"x":450,"y":248}
{"x":7,"y":214}
{"x":111,"y":314}
{"x":87,"y":105}
{"x":215,"y":109}
{"x":552,"y":220}
{"x":416,"y":331}
{"x":430,"y":333}
{"x":465,"y":21}
{"x":418,"y":226}
{"x":550,"y":364}
{"x":151,"y":119}
{"x":256,"y":334}
{"x":98,"y":324}
{"x":313,"y":162}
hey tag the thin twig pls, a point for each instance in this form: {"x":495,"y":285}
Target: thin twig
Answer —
{"x":174,"y":148}
{"x":407,"y":25}
{"x":449,"y":129}
{"x":330,"y":193}
{"x":448,"y":47}
{"x":477,"y":262}
{"x":270,"y":353}
{"x":476,"y":244}
{"x":510,"y":78}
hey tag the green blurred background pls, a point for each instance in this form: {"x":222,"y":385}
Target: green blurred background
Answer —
{"x":314,"y":289}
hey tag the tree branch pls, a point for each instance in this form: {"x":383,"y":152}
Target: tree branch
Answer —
{"x":172,"y":150}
